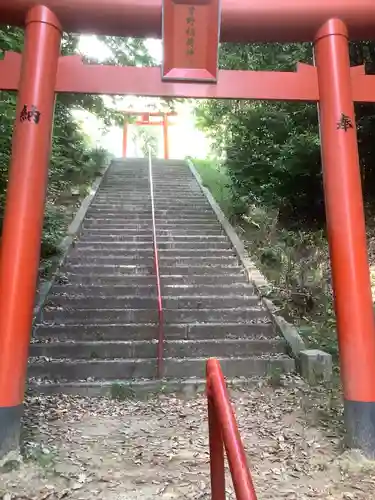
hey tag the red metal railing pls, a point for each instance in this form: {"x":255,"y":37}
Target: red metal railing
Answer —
{"x":223,"y":432}
{"x":160,"y":349}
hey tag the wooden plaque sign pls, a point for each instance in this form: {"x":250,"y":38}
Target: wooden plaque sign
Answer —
{"x":191,"y":31}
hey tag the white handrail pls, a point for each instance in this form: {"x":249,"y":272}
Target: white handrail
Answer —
{"x":160,"y":349}
{"x":151,"y":182}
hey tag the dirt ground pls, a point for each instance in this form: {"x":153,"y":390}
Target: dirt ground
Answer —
{"x":79,"y":448}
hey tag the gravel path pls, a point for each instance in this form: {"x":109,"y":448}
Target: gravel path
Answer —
{"x":80,"y":448}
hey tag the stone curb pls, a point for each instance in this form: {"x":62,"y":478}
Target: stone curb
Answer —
{"x":140,"y":389}
{"x":295,"y":342}
{"x":66,"y":243}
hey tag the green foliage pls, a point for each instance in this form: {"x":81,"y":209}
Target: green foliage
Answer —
{"x":127,"y":51}
{"x":271,"y":154}
{"x":147,"y":139}
{"x":296,"y":263}
{"x":283,"y":170}
{"x":53,"y":230}
{"x":121,"y":392}
{"x":271,"y":150}
{"x":215,"y":179}
{"x":73,"y":164}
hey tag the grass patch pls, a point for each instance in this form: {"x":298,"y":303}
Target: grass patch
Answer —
{"x":216,"y":180}
{"x":66,"y":190}
{"x":121,"y":392}
{"x":297,"y":265}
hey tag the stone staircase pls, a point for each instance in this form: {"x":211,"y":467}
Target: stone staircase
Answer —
{"x":99,"y":324}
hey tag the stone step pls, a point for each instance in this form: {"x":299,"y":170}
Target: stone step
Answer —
{"x":160,"y":187}
{"x":92,"y":252}
{"x":109,"y":246}
{"x":138,"y":389}
{"x":139,"y":183}
{"x":120,"y":210}
{"x":235,"y":290}
{"x":147,"y":227}
{"x":145,"y":196}
{"x":98,"y":232}
{"x":146,"y":260}
{"x":209,"y":253}
{"x":103,"y":316}
{"x":192,"y":239}
{"x":159,"y":213}
{"x":140,"y":222}
{"x":144,"y":199}
{"x":98,"y":270}
{"x":112,"y":301}
{"x":146,"y":368}
{"x":165,"y":270}
{"x":161,"y":197}
{"x":142,"y":203}
{"x":108,"y":279}
{"x":142,"y":184}
{"x":145,"y":349}
{"x":139,"y":212}
{"x":147,"y":224}
{"x":174,"y":192}
{"x":141,"y":206}
{"x":66,"y":278}
{"x":142,"y":217}
{"x":96,"y":290}
{"x":171,"y":192}
{"x":160,"y":177}
{"x":133,"y":253}
{"x":161,"y":182}
{"x":113,"y":332}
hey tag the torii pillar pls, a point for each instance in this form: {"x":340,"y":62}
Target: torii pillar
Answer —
{"x":165,"y":136}
{"x":124,"y":138}
{"x":347,"y":234}
{"x":24,"y":213}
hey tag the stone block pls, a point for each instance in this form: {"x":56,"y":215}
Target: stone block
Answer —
{"x":316,"y":366}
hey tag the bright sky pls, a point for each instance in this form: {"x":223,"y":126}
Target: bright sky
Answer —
{"x":91,"y":45}
{"x":184,"y":139}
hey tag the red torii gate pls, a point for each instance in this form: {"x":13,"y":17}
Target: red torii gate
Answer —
{"x":190,"y":56}
{"x":143,"y":118}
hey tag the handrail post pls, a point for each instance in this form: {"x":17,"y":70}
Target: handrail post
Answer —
{"x":216,"y":450}
{"x":160,"y":348}
{"x":223,"y":428}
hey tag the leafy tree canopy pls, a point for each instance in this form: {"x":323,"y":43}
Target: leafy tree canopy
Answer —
{"x":73,"y":162}
{"x":272,"y":149}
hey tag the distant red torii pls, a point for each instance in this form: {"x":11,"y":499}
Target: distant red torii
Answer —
{"x":143,"y":118}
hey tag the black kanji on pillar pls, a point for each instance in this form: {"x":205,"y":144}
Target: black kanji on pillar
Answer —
{"x":30,"y":114}
{"x":345,"y":123}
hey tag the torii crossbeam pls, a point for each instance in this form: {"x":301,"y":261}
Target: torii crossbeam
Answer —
{"x":191,"y":31}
